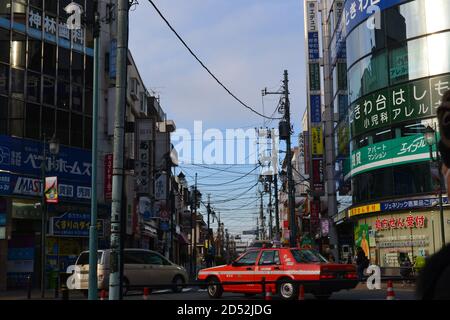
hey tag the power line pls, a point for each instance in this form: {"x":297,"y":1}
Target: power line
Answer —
{"x":205,"y":67}
{"x":228,"y":182}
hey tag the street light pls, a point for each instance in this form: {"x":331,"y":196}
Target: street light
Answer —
{"x":430,"y":137}
{"x":53,"y":146}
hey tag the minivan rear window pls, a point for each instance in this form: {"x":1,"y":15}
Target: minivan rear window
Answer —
{"x":84,"y":258}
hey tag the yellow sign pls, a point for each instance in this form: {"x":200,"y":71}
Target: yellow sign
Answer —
{"x":317,"y":141}
{"x":370,"y":208}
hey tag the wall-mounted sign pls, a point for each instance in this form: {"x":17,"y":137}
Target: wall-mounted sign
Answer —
{"x":316,"y":108}
{"x":410,"y":221}
{"x":357,"y":11}
{"x":317,"y":141}
{"x":313,"y":45}
{"x":410,"y":101}
{"x":161,"y":187}
{"x":311,"y":16}
{"x":314,"y":77}
{"x":108,"y":164}
{"x":72,"y":224}
{"x":5,"y":183}
{"x":390,"y":153}
{"x":370,"y":208}
{"x":317,"y":170}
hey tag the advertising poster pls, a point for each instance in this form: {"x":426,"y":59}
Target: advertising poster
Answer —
{"x":362,"y":238}
{"x":51,"y":189}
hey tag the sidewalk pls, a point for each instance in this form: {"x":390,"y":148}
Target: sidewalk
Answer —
{"x":36,"y":295}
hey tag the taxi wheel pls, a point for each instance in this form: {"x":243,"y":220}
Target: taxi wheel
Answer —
{"x":215,"y":290}
{"x":287,"y":289}
{"x":323,"y":296}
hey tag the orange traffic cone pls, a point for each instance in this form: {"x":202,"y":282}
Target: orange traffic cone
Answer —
{"x":103,"y":294}
{"x":390,"y":291}
{"x":301,"y":293}
{"x":268,"y":295}
{"x":146,"y":293}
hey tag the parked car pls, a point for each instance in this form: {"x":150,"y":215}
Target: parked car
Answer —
{"x":141,"y":267}
{"x":283,"y":267}
{"x":261,"y":244}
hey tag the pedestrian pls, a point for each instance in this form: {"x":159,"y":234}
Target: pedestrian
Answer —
{"x":362,"y":263}
{"x":434,"y":280}
{"x":405,"y":267}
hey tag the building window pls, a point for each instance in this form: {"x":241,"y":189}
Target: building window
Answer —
{"x":4,"y":79}
{"x":63,"y":95}
{"x":87,"y":132}
{"x":77,"y":98}
{"x":89,"y":72}
{"x":51,"y":6}
{"x":63,"y":127}
{"x":63,"y":64}
{"x":3,"y":114}
{"x":36,"y":3}
{"x":77,"y":67}
{"x":32,"y":129}
{"x":33,"y":87}
{"x":17,"y":83}
{"x":4,"y":45}
{"x":16,"y":118}
{"x":76,"y":130}
{"x":19,"y":12}
{"x":88,"y":104}
{"x":48,"y":121}
{"x":49,"y":91}
{"x":50,"y":59}
{"x":5,"y":9}
{"x":34,"y":54}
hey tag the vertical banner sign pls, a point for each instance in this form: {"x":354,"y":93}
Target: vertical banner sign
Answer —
{"x":315,"y":211}
{"x":108,"y":176}
{"x":307,"y":152}
{"x":51,"y":190}
{"x":142,"y":165}
{"x":317,"y":141}
{"x":316,"y":112}
{"x":318,"y":174}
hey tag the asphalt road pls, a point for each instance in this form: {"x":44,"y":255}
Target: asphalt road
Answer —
{"x":401,"y":293}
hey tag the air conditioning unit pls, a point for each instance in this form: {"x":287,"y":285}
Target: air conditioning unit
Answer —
{"x":134,"y":86}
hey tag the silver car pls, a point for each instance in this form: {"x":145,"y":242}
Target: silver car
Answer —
{"x":141,"y":268}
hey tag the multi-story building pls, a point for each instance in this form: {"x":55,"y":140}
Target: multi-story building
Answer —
{"x":46,"y":94}
{"x":397,"y":68}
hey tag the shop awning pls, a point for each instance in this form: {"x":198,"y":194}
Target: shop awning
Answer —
{"x":149,"y":231}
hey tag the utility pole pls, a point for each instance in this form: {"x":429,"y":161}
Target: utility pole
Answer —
{"x":277,"y":217}
{"x":195,"y":227}
{"x":261,"y":217}
{"x":291,"y":190}
{"x":209,"y":212}
{"x":93,"y":236}
{"x":329,"y":132}
{"x":118,"y":170}
{"x":270,"y":210}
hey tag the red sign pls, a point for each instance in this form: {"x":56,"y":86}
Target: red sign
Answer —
{"x":285,"y":224}
{"x":400,"y":223}
{"x":108,"y":176}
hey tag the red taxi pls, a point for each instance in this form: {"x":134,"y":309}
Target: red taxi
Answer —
{"x":283,"y":266}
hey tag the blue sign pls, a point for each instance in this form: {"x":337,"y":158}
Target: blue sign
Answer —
{"x":25,"y":156}
{"x":357,"y":11}
{"x":5,"y":183}
{"x":315,"y":108}
{"x":72,"y":224}
{"x":164,"y":226}
{"x":2,"y":219}
{"x":313,"y":45}
{"x":410,"y":204}
{"x":15,"y":254}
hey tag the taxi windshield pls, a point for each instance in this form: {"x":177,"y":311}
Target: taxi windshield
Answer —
{"x":308,"y":256}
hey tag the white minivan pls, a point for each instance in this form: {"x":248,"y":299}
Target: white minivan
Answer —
{"x":141,"y":268}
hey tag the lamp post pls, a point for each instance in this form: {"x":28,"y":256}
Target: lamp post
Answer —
{"x":53,"y":146}
{"x":431,"y":139}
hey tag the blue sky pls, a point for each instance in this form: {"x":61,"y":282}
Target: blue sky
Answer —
{"x":247,"y":44}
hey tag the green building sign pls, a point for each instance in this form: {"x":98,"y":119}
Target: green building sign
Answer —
{"x":390,"y":153}
{"x":410,"y":101}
